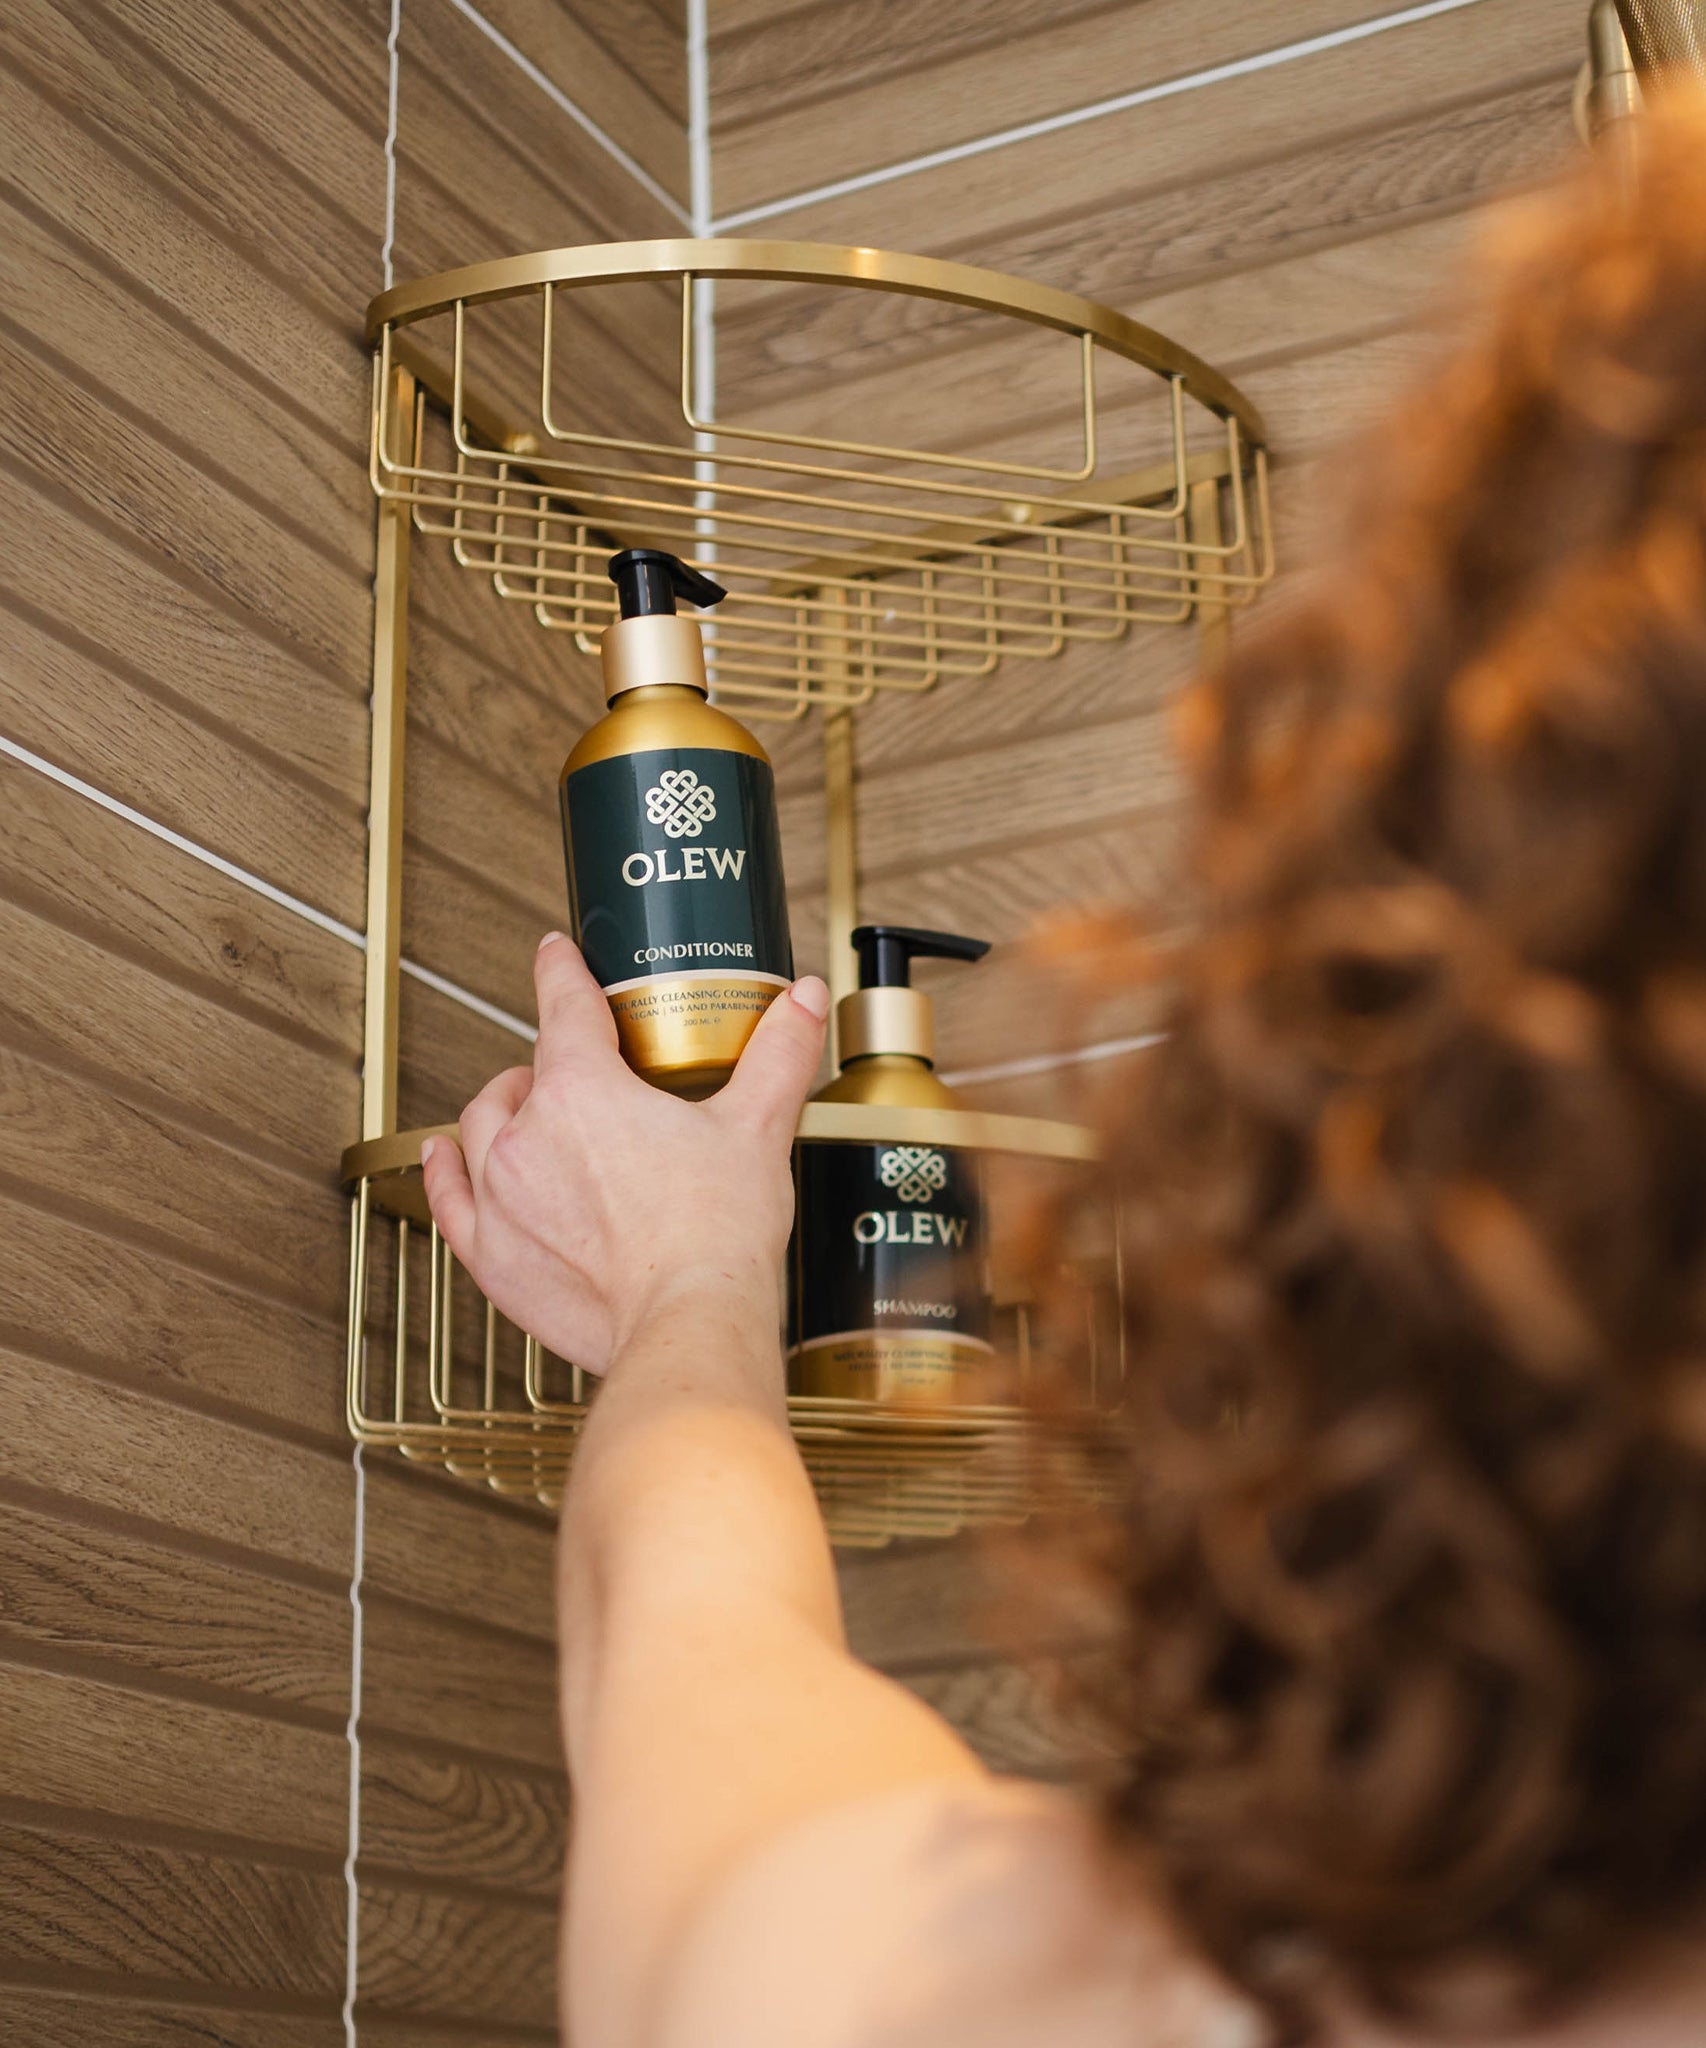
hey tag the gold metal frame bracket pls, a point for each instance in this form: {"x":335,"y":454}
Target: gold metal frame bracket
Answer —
{"x":857,"y":569}
{"x":385,"y":784}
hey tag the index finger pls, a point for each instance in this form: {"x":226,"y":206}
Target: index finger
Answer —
{"x":575,"y":1024}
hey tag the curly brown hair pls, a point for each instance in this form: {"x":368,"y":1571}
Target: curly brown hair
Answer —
{"x":1413,"y":1201}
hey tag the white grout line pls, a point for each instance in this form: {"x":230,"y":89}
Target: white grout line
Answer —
{"x":470,"y":1001}
{"x":1052,"y":1062}
{"x":273,"y":894}
{"x":261,"y":887}
{"x":358,"y":1556}
{"x":559,"y":98}
{"x":1218,"y":74}
{"x":698,"y":120}
{"x":352,"y":1736}
{"x":392,"y":70}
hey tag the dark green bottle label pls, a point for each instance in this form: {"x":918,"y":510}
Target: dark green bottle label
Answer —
{"x":888,"y":1238}
{"x":675,"y":867}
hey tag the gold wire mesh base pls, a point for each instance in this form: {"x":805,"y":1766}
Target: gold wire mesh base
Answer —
{"x":436,"y":1374}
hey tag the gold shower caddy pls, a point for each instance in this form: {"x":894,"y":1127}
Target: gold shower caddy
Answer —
{"x":854,"y":570}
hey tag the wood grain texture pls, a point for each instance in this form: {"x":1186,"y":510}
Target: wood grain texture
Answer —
{"x":767,"y":57}
{"x":500,"y":642}
{"x":620,"y":63}
{"x":341,"y":50}
{"x":1120,"y":158}
{"x":453,"y":1820}
{"x":490,"y":1958}
{"x":81,"y":1288}
{"x":289,"y":593}
{"x":1340,"y":187}
{"x":118,"y":1449}
{"x":191,"y":217}
{"x":101,"y":645}
{"x":165,"y":1186}
{"x":930,"y":812}
{"x":80,"y":1906}
{"x":125,"y":1600}
{"x":306,"y":82}
{"x":1017,"y":890}
{"x":381,"y":2029}
{"x":313,"y":231}
{"x":894,"y":78}
{"x":448,"y":1055}
{"x":141,"y":1756}
{"x":80,"y":2019}
{"x":94,"y":874}
{"x":132,"y":226}
{"x":1019,"y":390}
{"x":444,"y":1545}
{"x":111,"y":329}
{"x":489,"y":166}
{"x":449,"y":1681}
{"x":171,"y":1048}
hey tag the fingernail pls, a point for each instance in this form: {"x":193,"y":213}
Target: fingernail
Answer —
{"x":812,"y":995}
{"x":550,"y":939}
{"x":428,"y":1147}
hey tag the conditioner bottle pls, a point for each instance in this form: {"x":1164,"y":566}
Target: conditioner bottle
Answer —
{"x":889,"y":1295}
{"x":675,"y":860}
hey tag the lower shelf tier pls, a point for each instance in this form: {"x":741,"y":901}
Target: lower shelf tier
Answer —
{"x":434,"y":1373}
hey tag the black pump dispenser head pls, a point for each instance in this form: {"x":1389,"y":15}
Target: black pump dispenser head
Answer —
{"x":886,"y":1015}
{"x":886,"y":952}
{"x":648,"y":581}
{"x":648,"y":645}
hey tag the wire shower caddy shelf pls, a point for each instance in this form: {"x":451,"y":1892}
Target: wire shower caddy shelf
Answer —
{"x":855,"y":569}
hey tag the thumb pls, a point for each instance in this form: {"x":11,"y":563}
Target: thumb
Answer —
{"x":780,"y":1062}
{"x":576,"y":1028}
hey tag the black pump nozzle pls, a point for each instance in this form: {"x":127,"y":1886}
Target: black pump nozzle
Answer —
{"x":887,"y":951}
{"x":649,"y":581}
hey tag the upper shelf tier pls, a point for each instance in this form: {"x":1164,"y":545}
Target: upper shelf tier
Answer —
{"x":854,"y":566}
{"x":882,"y":270}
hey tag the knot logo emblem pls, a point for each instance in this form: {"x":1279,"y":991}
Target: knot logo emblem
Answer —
{"x":913,"y":1171}
{"x":681,"y":803}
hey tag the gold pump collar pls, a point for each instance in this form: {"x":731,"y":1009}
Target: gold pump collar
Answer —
{"x":885,"y":1020}
{"x":658,"y":648}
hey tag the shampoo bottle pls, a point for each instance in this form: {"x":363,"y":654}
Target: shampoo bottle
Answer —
{"x":674,"y":856}
{"x":889,"y":1293}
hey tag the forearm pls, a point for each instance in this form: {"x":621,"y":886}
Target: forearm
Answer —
{"x":709,"y":1699}
{"x":688,"y":1496}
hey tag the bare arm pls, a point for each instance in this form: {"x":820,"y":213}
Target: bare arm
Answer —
{"x":709,"y":1700}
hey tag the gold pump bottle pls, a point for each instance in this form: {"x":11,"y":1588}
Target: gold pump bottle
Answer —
{"x":889,"y":1292}
{"x":674,"y":855}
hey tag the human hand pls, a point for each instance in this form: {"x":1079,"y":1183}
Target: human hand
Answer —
{"x":582,"y":1199}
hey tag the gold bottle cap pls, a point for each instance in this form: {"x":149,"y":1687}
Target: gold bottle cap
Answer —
{"x":659,"y":647}
{"x":885,"y":1020}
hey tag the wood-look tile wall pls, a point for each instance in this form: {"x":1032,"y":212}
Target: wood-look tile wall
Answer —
{"x":192,"y":214}
{"x":1294,"y":223}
